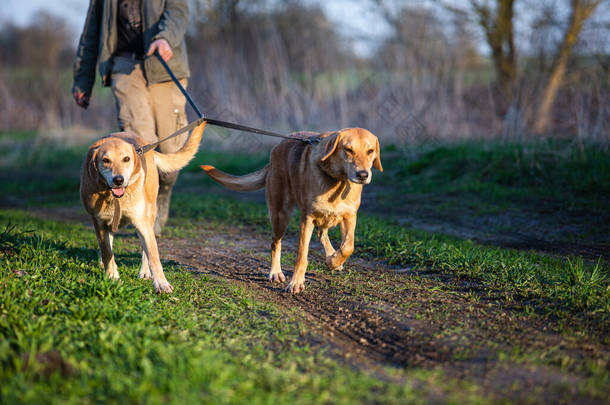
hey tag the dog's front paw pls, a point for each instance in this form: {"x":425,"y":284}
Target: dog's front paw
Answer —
{"x":331,"y":264}
{"x":144,"y":274}
{"x":277,"y":277}
{"x":295,"y":287}
{"x":113,"y":274}
{"x":163,"y":287}
{"x":112,"y":270}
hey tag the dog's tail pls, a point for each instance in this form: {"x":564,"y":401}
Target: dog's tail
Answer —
{"x":172,"y":162}
{"x":248,"y":182}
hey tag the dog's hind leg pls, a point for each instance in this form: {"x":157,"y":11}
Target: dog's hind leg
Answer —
{"x":297,"y":283}
{"x":145,"y":230}
{"x":279,"y":223}
{"x":145,"y":269}
{"x":104,"y":240}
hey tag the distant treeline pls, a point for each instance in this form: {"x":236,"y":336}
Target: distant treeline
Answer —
{"x":287,"y":67}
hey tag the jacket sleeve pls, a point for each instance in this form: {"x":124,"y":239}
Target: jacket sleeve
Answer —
{"x":87,"y":51}
{"x":173,"y":22}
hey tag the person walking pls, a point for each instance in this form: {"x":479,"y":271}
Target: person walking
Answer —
{"x":120,"y":37}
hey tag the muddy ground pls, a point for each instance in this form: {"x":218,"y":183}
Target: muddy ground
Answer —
{"x":542,"y":226}
{"x":375,"y":315}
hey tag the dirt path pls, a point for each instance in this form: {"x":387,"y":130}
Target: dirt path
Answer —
{"x":374,"y":316}
{"x":544,"y":228}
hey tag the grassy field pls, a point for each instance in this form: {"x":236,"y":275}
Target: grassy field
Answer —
{"x":481,"y":274}
{"x":69,"y":335}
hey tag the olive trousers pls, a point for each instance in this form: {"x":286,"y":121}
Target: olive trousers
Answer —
{"x":152,"y":112}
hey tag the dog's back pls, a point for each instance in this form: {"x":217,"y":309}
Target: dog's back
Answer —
{"x":284,"y":159}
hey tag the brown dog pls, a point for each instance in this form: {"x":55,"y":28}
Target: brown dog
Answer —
{"x":113,"y":171}
{"x":325,"y":180}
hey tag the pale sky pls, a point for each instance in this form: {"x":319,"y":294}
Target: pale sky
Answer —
{"x":20,"y":11}
{"x":354,"y":18}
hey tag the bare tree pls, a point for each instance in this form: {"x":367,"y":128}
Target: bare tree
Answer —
{"x":42,"y":45}
{"x":581,"y":10}
{"x":220,"y":12}
{"x":34,"y":58}
{"x":497,"y":23}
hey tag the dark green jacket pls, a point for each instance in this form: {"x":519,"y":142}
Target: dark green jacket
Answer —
{"x":167,"y":19}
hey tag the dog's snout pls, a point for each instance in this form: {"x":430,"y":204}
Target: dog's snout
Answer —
{"x":362,"y":174}
{"x":118,"y":180}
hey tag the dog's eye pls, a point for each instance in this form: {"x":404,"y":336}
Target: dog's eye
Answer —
{"x":126,"y":159}
{"x":349,"y":151}
{"x":106,"y":160}
{"x":370,"y":151}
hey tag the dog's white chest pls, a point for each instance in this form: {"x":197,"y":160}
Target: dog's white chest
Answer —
{"x":129,"y":209}
{"x":326,"y":221}
{"x":136,"y":209}
{"x":327,"y":215}
{"x":106,"y":212}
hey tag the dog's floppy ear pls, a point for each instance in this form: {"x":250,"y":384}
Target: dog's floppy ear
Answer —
{"x":137,"y":162}
{"x":331,"y":146}
{"x":377,"y":161}
{"x":92,"y":162}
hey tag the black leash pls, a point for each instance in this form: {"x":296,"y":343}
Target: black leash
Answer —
{"x":220,"y":123}
{"x":143,"y":149}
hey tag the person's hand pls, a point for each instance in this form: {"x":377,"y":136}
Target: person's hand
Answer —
{"x":82,"y":99}
{"x":163,"y":47}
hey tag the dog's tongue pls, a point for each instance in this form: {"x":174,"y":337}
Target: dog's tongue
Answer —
{"x":118,"y":192}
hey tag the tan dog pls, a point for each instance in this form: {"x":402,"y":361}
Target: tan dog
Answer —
{"x":325,"y":180}
{"x":113,"y":171}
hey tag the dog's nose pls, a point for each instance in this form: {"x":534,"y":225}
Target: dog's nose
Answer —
{"x":362,"y":175}
{"x":118,"y":180}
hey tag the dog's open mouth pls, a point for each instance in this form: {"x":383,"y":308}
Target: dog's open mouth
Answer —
{"x":118,"y":192}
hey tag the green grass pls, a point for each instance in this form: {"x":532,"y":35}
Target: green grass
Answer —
{"x":520,"y":275}
{"x":234,"y":163}
{"x":209,"y":342}
{"x":508,"y":173}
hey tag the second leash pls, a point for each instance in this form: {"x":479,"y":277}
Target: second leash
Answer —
{"x":219,"y":123}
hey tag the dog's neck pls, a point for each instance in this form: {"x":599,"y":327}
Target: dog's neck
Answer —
{"x":333,"y":176}
{"x":336,"y":173}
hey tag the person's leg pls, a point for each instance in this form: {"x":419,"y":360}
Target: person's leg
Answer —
{"x":169,"y":115}
{"x":132,"y":98}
